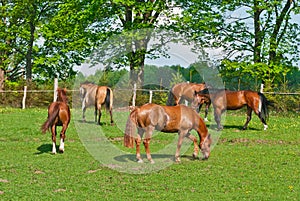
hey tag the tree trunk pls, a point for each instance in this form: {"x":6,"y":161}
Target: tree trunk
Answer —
{"x":2,"y":79}
{"x":29,"y":53}
{"x":258,"y":35}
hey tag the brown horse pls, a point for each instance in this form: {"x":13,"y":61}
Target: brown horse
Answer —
{"x":58,"y":115}
{"x":87,"y":96}
{"x":168,"y":119}
{"x":104,"y":95}
{"x":185,"y":91}
{"x":232,"y":100}
{"x":94,"y":95}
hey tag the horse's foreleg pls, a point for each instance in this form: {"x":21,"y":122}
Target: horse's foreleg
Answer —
{"x":249,"y":116}
{"x":83,"y":114}
{"x":196,"y":147}
{"x":206,"y":111}
{"x":53,"y":131}
{"x":83,"y":109}
{"x":181,"y":135}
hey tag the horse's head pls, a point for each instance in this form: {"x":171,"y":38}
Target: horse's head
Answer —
{"x":199,"y":99}
{"x":205,"y":147}
{"x":62,"y":95}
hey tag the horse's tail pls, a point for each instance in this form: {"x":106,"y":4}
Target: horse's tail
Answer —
{"x":171,"y":99}
{"x":263,"y":110}
{"x":130,"y":129}
{"x":108,"y":99}
{"x":50,"y":119}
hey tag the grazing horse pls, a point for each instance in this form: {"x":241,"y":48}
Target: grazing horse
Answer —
{"x":87,"y":96}
{"x":104,"y":95}
{"x":232,"y":100}
{"x":168,"y":119}
{"x":185,"y":91}
{"x":58,"y":115}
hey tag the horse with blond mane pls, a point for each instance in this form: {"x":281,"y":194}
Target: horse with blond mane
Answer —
{"x":185,"y":91}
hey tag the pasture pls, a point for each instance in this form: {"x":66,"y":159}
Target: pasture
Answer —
{"x":244,"y":165}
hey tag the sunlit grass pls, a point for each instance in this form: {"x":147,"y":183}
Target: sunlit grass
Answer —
{"x":244,"y":165}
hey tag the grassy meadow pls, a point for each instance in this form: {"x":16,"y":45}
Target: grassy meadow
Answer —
{"x":244,"y":165}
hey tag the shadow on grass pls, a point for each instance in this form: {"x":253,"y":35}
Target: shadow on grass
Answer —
{"x":45,"y":148}
{"x":132,"y":157}
{"x":214,"y":127}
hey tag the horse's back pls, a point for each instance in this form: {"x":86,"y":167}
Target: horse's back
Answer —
{"x":101,"y":94}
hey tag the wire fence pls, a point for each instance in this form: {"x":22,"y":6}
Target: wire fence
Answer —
{"x":35,"y":98}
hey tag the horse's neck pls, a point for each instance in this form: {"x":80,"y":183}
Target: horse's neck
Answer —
{"x":62,"y":98}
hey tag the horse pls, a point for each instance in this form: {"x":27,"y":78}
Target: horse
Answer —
{"x":104,"y":95}
{"x":167,"y":119}
{"x":58,"y":115}
{"x":94,"y":95}
{"x":185,"y":91}
{"x":87,"y":95}
{"x":233,"y":100}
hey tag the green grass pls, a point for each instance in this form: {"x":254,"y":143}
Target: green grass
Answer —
{"x":244,"y":165}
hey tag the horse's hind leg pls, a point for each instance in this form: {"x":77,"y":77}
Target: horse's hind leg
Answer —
{"x":217,"y":114}
{"x":249,"y":116}
{"x":146,"y":142}
{"x":62,"y":138}
{"x":111,"y":117}
{"x":53,"y":131}
{"x":138,"y":146}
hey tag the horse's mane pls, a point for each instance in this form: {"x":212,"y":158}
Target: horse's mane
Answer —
{"x":211,"y":91}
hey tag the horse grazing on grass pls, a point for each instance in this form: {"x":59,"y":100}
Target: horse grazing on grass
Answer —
{"x":233,"y":100}
{"x":185,"y":91}
{"x":58,"y":115}
{"x":168,"y":119}
{"x":94,"y":95}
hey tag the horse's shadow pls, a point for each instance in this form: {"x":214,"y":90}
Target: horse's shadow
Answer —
{"x":93,"y":122}
{"x":214,"y":127}
{"x":45,"y":148}
{"x":132,"y":157}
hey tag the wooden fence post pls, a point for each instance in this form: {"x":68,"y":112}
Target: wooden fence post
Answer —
{"x":24,"y":97}
{"x":134,"y":95}
{"x":262,"y":88}
{"x":150,"y":98}
{"x":55,"y":89}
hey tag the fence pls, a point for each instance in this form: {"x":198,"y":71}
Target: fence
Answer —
{"x":134,"y":91}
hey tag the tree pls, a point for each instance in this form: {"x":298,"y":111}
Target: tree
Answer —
{"x":261,"y":34}
{"x":118,"y":32}
{"x":20,"y":24}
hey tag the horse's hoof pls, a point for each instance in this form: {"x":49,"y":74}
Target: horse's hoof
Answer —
{"x":140,"y":161}
{"x":61,"y":151}
{"x":152,"y":161}
{"x":53,"y":153}
{"x":177,"y":160}
{"x":194,"y":156}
